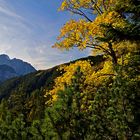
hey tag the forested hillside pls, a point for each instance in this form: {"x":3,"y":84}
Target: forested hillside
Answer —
{"x":26,"y":94}
{"x":85,"y":100}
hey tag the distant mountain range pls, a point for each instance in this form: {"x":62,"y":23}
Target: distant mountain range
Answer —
{"x":13,"y":67}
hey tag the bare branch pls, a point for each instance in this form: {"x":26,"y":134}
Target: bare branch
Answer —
{"x":104,"y":5}
{"x":97,"y":8}
{"x":79,"y":12}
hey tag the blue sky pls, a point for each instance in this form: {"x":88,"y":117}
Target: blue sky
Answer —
{"x":28,"y":29}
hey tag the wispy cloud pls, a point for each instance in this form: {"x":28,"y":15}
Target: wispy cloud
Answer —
{"x":44,"y":56}
{"x":7,"y":12}
{"x":5,"y":9}
{"x":28,"y":29}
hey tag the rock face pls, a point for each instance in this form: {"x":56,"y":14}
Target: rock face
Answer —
{"x":13,"y":67}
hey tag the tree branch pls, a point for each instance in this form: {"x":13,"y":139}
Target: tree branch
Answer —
{"x":97,"y":8}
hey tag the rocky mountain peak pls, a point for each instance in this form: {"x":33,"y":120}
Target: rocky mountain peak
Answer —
{"x":19,"y":66}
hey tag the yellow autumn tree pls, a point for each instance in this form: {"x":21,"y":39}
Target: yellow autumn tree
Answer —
{"x":90,"y":30}
{"x":101,"y":27}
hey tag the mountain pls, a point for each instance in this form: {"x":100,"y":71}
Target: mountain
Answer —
{"x":6,"y":72}
{"x":13,"y":67}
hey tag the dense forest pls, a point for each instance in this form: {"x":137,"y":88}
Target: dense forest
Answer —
{"x":94,"y":98}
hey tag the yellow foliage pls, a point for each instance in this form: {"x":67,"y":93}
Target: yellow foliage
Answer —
{"x":66,"y":78}
{"x":96,"y":78}
{"x":126,"y":46}
{"x":92,"y":4}
{"x":83,"y":33}
{"x":90,"y":78}
{"x":75,"y":4}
